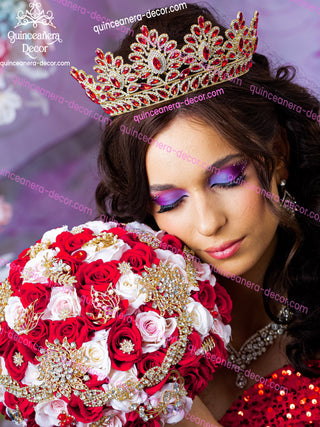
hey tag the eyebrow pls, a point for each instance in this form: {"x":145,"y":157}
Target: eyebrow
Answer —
{"x":215,"y":165}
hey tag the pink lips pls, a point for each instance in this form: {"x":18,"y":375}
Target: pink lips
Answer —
{"x":226,"y":250}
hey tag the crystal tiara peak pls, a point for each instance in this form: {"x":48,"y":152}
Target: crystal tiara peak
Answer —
{"x":160,"y":72}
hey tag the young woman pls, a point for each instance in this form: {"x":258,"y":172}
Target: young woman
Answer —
{"x":261,"y":151}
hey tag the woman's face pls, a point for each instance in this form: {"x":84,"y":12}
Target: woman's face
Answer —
{"x":226,"y":224}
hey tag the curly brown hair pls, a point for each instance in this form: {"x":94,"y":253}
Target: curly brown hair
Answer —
{"x":254,"y":125}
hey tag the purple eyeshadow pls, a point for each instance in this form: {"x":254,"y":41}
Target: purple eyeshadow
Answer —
{"x":169,"y":197}
{"x":229,"y":173}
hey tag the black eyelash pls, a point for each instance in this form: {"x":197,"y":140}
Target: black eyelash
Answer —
{"x":167,"y":208}
{"x":237,"y":181}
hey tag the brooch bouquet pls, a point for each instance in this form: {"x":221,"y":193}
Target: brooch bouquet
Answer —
{"x":99,"y":326}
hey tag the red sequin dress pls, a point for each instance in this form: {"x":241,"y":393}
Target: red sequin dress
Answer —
{"x":262,"y":406}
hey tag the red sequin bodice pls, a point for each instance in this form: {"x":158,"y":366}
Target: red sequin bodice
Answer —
{"x":262,"y":406}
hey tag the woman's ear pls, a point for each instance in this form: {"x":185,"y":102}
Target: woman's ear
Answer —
{"x":281,"y":150}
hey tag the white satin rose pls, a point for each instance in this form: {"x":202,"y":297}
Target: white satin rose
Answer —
{"x":154,"y":330}
{"x":174,"y":415}
{"x":51,"y":235}
{"x":98,"y":359}
{"x":224,"y":331}
{"x":202,"y":320}
{"x":47,"y":412}
{"x":34,"y":270}
{"x":168,"y":257}
{"x":99,"y":226}
{"x":203,"y":272}
{"x":64,"y":302}
{"x":119,"y":379}
{"x":31,"y":375}
{"x":128,"y":287}
{"x":13,"y":311}
{"x":113,"y":252}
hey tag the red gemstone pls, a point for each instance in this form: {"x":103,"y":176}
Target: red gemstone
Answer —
{"x":197,"y":30}
{"x":205,"y":80}
{"x":216,"y":62}
{"x":163,"y":94}
{"x":163,"y":40}
{"x":207,"y":29}
{"x":231,"y":35}
{"x":243,"y":68}
{"x":224,"y":62}
{"x":153,"y":98}
{"x":238,"y":69}
{"x":102,"y":96}
{"x":98,"y":70}
{"x":174,"y":55}
{"x":143,"y":100}
{"x":215,"y":32}
{"x":98,"y":87}
{"x":115,"y":82}
{"x":100,"y":53}
{"x":190,"y":40}
{"x":241,"y":44}
{"x":127,"y":106}
{"x":184,"y":74}
{"x":231,"y":55}
{"x":116,"y":94}
{"x":135,"y":103}
{"x":132,"y":79}
{"x":215,"y":78}
{"x":175,"y":65}
{"x":206,"y":53}
{"x":108,"y":111}
{"x":201,"y":21}
{"x":240,"y":17}
{"x":135,"y":58}
{"x":172,"y":75}
{"x":142,"y":40}
{"x":189,"y":60}
{"x":185,"y":86}
{"x":61,"y":416}
{"x":90,"y":80}
{"x":106,"y":88}
{"x":155,"y":81}
{"x":219,"y":41}
{"x":189,"y":50}
{"x":138,"y":67}
{"x":82,"y":76}
{"x":98,"y":61}
{"x":138,"y":49}
{"x":246,"y":31}
{"x":144,"y":31}
{"x":156,"y":63}
{"x":120,"y":107}
{"x":219,"y":52}
{"x":125,"y":70}
{"x":174,"y":90}
{"x":153,"y":36}
{"x":196,"y":68}
{"x":108,"y":59}
{"x":145,"y":75}
{"x":229,"y":45}
{"x":231,"y":72}
{"x":132,"y":88}
{"x":170,"y":46}
{"x":224,"y":75}
{"x":144,"y":86}
{"x":236,"y":26}
{"x":195,"y":83}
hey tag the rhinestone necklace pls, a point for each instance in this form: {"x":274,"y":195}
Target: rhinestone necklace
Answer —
{"x":255,"y":346}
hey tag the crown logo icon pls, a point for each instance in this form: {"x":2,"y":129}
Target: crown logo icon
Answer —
{"x":35,"y":16}
{"x":160,"y":72}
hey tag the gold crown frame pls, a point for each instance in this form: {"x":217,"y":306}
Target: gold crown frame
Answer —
{"x":160,"y":72}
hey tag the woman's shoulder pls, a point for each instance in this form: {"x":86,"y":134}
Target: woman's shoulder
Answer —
{"x":296,"y":403}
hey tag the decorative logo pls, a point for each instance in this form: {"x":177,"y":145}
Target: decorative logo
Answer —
{"x":35,"y":16}
{"x":37,"y":42}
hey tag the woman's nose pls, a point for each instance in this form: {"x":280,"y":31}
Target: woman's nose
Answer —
{"x":209,"y":215}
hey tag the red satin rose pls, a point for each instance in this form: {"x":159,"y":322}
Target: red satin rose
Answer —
{"x":219,"y":351}
{"x":190,"y":357}
{"x":121,"y":331}
{"x":74,"y":261}
{"x":74,"y":329}
{"x":72,"y":242}
{"x":37,"y":335}
{"x":194,"y":382}
{"x":31,"y":292}
{"x":140,"y":256}
{"x":224,"y":303}
{"x":206,"y":295}
{"x":32,"y":422}
{"x":15,"y":279}
{"x":86,"y":414}
{"x":169,"y":241}
{"x":133,"y":420}
{"x":16,"y":364}
{"x":4,"y":338}
{"x":24,"y":405}
{"x":130,"y":238}
{"x":98,"y":274}
{"x":148,"y":361}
